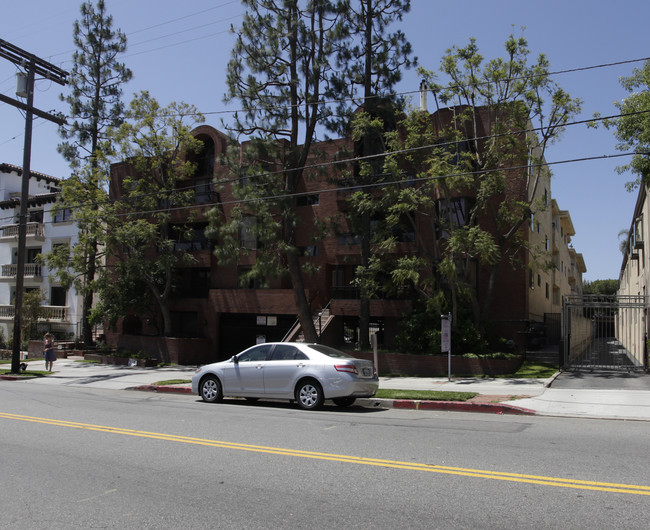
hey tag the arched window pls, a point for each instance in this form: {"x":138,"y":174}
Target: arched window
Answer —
{"x":204,"y":159}
{"x":204,"y":172}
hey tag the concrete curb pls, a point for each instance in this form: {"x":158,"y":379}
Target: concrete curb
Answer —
{"x":412,"y":404}
{"x":162,"y":389}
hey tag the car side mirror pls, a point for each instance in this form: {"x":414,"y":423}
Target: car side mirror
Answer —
{"x":235,"y":359}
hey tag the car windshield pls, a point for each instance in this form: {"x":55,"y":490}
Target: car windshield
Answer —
{"x":330,"y":352}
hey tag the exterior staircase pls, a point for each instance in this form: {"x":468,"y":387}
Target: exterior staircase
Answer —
{"x":321,"y":320}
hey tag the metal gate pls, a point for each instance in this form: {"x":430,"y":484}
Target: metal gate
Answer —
{"x":603,"y":332}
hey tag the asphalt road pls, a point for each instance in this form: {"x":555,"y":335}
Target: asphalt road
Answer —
{"x":96,"y":458}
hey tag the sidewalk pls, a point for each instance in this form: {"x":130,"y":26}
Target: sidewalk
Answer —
{"x":496,"y":396}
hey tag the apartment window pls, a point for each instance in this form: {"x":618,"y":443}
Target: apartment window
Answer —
{"x":547,"y":291}
{"x":453,"y":214}
{"x":348,"y":239}
{"x":61,"y":248}
{"x":185,"y":324}
{"x":35,"y":216}
{"x":547,"y":243}
{"x":531,"y":279}
{"x":539,"y":280}
{"x":31,"y":255}
{"x":191,"y":283}
{"x":247,"y":233}
{"x":638,"y":232}
{"x":245,"y":281}
{"x":308,"y":200}
{"x":58,"y":296}
{"x":190,"y":238}
{"x":205,"y":158}
{"x":203,"y":190}
{"x":308,"y":251}
{"x":62,"y":215}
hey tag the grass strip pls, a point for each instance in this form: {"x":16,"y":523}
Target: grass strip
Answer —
{"x":173,"y":382}
{"x":429,"y":395}
{"x":26,"y":373}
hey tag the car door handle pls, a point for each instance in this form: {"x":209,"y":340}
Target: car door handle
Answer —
{"x":300,"y":365}
{"x":259,"y":366}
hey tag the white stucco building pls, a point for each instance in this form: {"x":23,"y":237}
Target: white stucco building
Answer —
{"x":45,"y":230}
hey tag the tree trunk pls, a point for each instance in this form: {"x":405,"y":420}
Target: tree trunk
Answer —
{"x":86,"y":327}
{"x":304,"y":313}
{"x":364,"y":302}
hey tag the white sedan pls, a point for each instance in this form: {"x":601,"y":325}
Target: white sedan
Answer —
{"x":306,"y":373}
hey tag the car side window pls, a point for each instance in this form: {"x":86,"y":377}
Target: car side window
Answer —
{"x":285,"y":352}
{"x":259,"y":353}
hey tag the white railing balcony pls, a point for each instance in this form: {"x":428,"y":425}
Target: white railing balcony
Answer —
{"x":32,"y":271}
{"x":35,"y":232}
{"x":51,"y":313}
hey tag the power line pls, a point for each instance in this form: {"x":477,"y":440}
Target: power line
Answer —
{"x":185,"y":17}
{"x":353,"y":187}
{"x":355,"y":160}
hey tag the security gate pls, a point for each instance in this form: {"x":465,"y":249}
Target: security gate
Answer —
{"x":605,"y":332}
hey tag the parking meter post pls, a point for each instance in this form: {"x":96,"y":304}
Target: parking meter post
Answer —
{"x":373,"y":340}
{"x":445,"y":322}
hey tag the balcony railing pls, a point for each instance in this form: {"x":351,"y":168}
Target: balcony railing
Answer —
{"x":52,"y":313}
{"x":32,"y":270}
{"x":34,"y":231}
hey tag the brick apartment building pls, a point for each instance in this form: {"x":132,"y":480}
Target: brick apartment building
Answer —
{"x":217,"y":316}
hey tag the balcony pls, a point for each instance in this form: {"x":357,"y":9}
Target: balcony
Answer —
{"x":32,"y":272}
{"x":35,"y":232}
{"x":52,"y":313}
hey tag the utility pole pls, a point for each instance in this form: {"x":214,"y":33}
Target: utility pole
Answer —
{"x":34,"y":66}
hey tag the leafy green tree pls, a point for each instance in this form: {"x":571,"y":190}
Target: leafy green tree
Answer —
{"x":33,"y":311}
{"x":632,"y":128}
{"x":523,"y":111}
{"x":601,"y":287}
{"x":142,"y":232}
{"x":96,"y":80}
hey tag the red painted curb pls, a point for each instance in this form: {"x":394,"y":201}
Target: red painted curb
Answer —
{"x":163,"y":389}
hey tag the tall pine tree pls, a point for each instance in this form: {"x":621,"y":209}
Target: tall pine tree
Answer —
{"x":96,"y":80}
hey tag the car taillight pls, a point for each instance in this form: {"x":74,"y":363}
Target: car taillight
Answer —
{"x":350,"y":368}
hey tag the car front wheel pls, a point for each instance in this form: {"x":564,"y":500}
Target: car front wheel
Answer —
{"x":309,"y":395}
{"x":211,"y":389}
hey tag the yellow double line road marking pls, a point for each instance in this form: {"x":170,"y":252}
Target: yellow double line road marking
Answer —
{"x":431,"y":468}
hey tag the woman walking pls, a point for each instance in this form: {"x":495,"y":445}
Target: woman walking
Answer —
{"x":48,"y":350}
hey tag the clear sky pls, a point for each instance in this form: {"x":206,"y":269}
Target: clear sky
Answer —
{"x":178,"y":52}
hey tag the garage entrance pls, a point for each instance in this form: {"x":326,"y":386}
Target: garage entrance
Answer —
{"x":602,"y":332}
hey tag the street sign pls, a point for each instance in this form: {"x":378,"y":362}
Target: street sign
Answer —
{"x":446,"y":335}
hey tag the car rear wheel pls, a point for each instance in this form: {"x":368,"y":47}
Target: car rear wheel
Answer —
{"x":210,"y":389}
{"x":309,"y":395}
{"x":344,"y":401}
